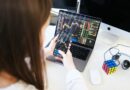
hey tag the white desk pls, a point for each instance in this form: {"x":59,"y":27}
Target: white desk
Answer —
{"x":120,"y":80}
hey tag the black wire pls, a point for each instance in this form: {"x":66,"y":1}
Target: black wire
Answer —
{"x":118,"y":62}
{"x":109,"y":50}
{"x":123,"y":45}
{"x":105,"y":54}
{"x":114,"y":47}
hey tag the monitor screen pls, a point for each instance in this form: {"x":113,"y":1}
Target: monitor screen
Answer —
{"x":113,"y":12}
{"x":64,"y":4}
{"x":77,"y":28}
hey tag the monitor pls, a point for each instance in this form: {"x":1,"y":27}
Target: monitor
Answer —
{"x":113,"y":12}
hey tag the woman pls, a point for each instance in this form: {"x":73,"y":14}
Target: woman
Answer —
{"x":22,"y":65}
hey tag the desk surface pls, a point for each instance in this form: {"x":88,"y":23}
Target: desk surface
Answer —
{"x":117,"y":81}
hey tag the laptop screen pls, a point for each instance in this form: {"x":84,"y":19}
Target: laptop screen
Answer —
{"x":79,"y":29}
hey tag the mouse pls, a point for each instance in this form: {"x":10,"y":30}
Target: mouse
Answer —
{"x":95,"y":76}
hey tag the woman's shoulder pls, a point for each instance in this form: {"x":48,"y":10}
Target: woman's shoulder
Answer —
{"x":20,"y":85}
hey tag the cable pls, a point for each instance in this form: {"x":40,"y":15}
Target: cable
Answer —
{"x":109,"y":50}
{"x":115,"y":49}
{"x":105,"y":54}
{"x":112,"y":55}
{"x":118,"y":52}
{"x":120,"y":45}
{"x":123,"y":45}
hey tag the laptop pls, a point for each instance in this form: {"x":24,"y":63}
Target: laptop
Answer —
{"x":79,"y":30}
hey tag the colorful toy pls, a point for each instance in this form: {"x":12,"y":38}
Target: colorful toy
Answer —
{"x":109,"y":66}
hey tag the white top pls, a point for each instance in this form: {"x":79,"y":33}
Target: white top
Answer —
{"x":74,"y":81}
{"x":20,"y":85}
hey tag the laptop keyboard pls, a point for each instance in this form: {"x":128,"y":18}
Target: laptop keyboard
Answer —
{"x":79,"y":52}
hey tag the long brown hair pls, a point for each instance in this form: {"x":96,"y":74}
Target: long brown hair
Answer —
{"x":20,"y":28}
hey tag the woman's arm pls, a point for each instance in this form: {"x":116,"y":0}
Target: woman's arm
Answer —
{"x":75,"y":81}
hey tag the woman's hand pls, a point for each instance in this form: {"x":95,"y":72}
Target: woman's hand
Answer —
{"x":67,"y":60}
{"x":49,"y":50}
